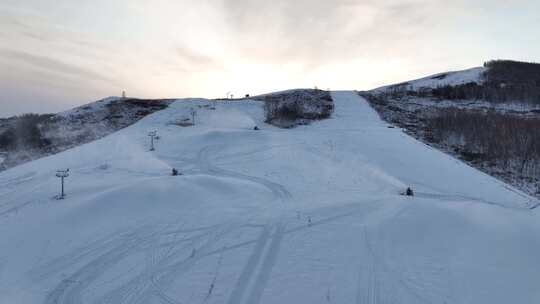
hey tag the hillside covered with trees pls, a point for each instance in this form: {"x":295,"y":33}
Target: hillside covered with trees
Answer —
{"x":491,"y":123}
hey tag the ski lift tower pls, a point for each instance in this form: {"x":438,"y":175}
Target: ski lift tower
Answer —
{"x":193,"y":113}
{"x":152,"y":134}
{"x":62,"y":174}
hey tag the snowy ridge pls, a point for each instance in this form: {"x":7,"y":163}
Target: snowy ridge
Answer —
{"x":81,"y":125}
{"x":439,"y":80}
{"x":281,"y":92}
{"x":96,"y":106}
{"x":305,"y":215}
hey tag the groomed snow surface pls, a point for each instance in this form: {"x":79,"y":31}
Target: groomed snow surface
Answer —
{"x":305,"y":215}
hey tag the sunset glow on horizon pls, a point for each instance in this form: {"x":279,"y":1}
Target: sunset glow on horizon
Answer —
{"x":58,"y":54}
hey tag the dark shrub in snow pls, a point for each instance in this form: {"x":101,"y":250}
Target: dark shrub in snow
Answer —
{"x":297,"y":107}
{"x":409,"y":192}
{"x":24,"y":133}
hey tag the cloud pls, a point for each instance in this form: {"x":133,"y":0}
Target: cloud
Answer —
{"x":190,"y":60}
{"x":51,"y":65}
{"x":207,"y":47}
{"x":325,"y":32}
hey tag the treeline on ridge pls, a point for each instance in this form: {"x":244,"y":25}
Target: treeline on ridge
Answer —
{"x":503,"y":81}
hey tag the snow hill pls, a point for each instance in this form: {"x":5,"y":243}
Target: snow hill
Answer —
{"x":58,"y":132}
{"x":439,"y":80}
{"x":305,"y":215}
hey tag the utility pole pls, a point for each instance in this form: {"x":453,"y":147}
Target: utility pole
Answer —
{"x":62,"y":174}
{"x":152,"y":135}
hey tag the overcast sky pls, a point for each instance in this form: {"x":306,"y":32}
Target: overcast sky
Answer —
{"x":56,"y":54}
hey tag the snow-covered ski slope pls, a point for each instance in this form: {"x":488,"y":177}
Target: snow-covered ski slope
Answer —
{"x":453,"y":78}
{"x":305,"y":215}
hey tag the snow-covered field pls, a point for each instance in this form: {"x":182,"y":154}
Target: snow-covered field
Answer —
{"x":305,"y":215}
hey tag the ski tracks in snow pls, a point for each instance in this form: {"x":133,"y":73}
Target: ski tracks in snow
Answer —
{"x":70,"y":290}
{"x":206,"y":166}
{"x":253,"y":279}
{"x":368,"y":289}
{"x":165,"y":261}
{"x":162,"y":272}
{"x":380,"y":282}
